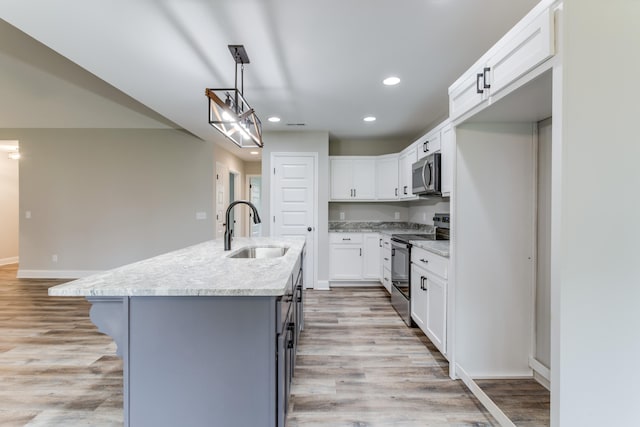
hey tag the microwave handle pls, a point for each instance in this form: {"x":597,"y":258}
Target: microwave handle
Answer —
{"x":424,"y":182}
{"x":430,"y":174}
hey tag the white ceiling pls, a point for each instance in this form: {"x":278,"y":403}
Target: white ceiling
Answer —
{"x":315,"y":62}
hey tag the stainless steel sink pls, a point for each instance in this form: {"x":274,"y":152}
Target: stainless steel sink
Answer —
{"x":260,"y":252}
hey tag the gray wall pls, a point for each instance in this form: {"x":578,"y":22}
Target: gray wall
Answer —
{"x":367,"y":147}
{"x":296,"y":142}
{"x":8,"y":207}
{"x":103,"y":198}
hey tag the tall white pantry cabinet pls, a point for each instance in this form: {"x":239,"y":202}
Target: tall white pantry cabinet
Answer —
{"x":564,"y":60}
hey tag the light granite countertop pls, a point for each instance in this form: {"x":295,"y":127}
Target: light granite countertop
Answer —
{"x":204,"y":269}
{"x":438,"y":247}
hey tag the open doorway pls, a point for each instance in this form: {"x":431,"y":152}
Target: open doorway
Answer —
{"x":254,"y":195}
{"x":9,"y":201}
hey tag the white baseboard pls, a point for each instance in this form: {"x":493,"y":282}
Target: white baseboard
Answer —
{"x":486,"y":401}
{"x":541,"y":373}
{"x":7,"y":261}
{"x":358,"y":284}
{"x":322,"y":285}
{"x":55,"y":274}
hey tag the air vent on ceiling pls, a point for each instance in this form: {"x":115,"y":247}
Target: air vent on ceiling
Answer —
{"x":296,"y":124}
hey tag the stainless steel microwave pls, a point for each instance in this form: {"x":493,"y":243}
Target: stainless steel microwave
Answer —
{"x":426,"y":176}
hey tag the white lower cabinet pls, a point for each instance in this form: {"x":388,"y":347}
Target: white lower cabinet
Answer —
{"x":346,"y":262}
{"x":429,"y":296}
{"x":371,"y":256}
{"x":418,"y":297}
{"x":354,"y":257}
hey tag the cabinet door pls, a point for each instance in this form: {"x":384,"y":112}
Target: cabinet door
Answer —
{"x":407,"y":159}
{"x":446,"y":161}
{"x":345,"y":262}
{"x":522,"y":51}
{"x":387,"y":178}
{"x":467,"y":92}
{"x":371,"y":256}
{"x":436,"y":312}
{"x":364,"y":179}
{"x":418,"y":297}
{"x":341,"y":179}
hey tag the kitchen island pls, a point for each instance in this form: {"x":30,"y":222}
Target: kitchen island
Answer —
{"x":206,"y":338}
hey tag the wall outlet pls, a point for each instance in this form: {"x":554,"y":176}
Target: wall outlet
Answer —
{"x":201,"y":215}
{"x":54,"y":258}
{"x":27,"y":214}
{"x":397,"y":215}
{"x":342,"y":215}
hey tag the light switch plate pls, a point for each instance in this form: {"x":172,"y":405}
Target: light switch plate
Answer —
{"x":201,"y":215}
{"x":342,"y":215}
{"x":27,"y":214}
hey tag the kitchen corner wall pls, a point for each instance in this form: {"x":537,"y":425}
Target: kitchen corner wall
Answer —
{"x":100,"y":198}
{"x":302,"y":142}
{"x":8,"y":209}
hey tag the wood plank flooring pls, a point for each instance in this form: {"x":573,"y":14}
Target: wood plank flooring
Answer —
{"x":524,"y":401}
{"x":56,"y":369}
{"x":358,"y":365}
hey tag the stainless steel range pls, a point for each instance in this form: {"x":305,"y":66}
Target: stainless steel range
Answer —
{"x":401,"y":265}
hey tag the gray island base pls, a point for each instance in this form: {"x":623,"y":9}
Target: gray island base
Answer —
{"x":222,"y":353}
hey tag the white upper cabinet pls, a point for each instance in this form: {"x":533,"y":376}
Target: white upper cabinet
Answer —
{"x":429,"y":144}
{"x":364,"y":179}
{"x":447,"y":140}
{"x":522,"y":51}
{"x":387,"y":177}
{"x":353,"y":178}
{"x":527,"y":45}
{"x":407,"y":158}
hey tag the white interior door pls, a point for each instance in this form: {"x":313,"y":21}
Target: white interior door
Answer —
{"x":255,"y":197}
{"x":222,"y":197}
{"x":293,"y":203}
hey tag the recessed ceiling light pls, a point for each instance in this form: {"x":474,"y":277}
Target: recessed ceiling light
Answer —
{"x":369,"y":119}
{"x":391,"y":81}
{"x":254,"y":152}
{"x":274,"y":119}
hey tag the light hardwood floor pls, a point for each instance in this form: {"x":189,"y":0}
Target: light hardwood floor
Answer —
{"x":358,"y":365}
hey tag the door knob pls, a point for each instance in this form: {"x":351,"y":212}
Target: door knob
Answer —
{"x":309,"y":229}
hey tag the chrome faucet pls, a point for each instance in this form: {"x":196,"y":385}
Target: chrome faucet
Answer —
{"x":227,"y":230}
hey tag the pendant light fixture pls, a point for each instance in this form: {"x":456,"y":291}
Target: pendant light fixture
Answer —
{"x":230,"y":113}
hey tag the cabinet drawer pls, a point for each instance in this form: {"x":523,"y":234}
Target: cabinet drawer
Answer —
{"x":386,"y":279}
{"x":346,"y":238}
{"x":430,"y":262}
{"x":386,"y":259}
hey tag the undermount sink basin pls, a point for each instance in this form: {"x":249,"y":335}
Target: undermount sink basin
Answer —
{"x":260,"y":252}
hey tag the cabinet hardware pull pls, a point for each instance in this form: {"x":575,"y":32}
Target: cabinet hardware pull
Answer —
{"x":478,"y":77}
{"x":425,"y":146}
{"x":354,"y":192}
{"x":396,"y":192}
{"x":484,"y":77}
{"x":422,"y":283}
{"x":345,"y":238}
{"x":405,"y":189}
{"x":360,"y":251}
{"x":426,"y":261}
{"x":380,"y":244}
{"x":386,"y":259}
